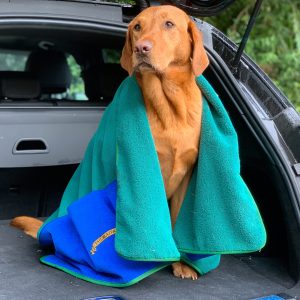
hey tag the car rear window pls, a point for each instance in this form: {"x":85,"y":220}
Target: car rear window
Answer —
{"x":111,"y":56}
{"x":76,"y":90}
{"x":13,"y":60}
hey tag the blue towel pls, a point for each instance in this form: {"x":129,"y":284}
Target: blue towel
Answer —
{"x":113,"y":225}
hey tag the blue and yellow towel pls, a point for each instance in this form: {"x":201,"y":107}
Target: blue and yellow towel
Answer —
{"x":113,"y":225}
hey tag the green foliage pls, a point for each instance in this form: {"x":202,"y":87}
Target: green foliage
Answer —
{"x":76,"y":90}
{"x":12,"y":61}
{"x":131,"y":2}
{"x":274,"y":42}
{"x":111,"y":56}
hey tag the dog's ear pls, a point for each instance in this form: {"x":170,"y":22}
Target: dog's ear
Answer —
{"x":126,"y":58}
{"x":199,"y":57}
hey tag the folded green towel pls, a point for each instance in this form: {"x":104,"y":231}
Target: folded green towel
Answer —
{"x":218,"y":214}
{"x":223,"y":217}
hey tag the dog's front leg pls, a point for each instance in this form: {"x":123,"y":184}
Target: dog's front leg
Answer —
{"x":183,"y":271}
{"x":177,"y":198}
{"x":180,"y":269}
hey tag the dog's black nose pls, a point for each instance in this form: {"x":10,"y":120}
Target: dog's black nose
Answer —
{"x":143,"y":47}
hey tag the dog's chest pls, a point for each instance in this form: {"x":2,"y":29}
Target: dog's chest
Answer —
{"x":177,"y":149}
{"x":174,"y":112}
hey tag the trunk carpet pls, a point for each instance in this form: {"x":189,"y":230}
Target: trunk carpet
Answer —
{"x":22,"y":276}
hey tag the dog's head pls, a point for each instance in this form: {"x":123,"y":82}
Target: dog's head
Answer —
{"x":161,"y":37}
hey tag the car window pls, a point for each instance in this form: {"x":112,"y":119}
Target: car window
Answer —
{"x":13,"y":60}
{"x":76,"y":90}
{"x":111,"y":56}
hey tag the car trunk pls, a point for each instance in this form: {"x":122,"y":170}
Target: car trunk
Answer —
{"x":238,"y":277}
{"x":36,"y":189}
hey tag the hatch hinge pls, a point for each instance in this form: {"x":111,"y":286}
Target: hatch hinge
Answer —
{"x":238,"y":55}
{"x":296,"y":168}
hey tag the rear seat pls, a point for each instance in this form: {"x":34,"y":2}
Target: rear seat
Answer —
{"x":47,"y":74}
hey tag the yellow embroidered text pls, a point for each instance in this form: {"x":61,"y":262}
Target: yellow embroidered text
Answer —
{"x":103,"y":237}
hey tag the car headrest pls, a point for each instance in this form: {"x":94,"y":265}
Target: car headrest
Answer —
{"x":92,"y":78}
{"x":51,"y":69}
{"x":101,"y":81}
{"x":112,"y":77}
{"x":18,"y":85}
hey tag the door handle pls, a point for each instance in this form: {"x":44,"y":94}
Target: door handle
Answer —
{"x":30,"y":146}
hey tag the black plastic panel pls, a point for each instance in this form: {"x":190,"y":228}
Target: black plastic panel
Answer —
{"x":270,"y":99}
{"x":61,"y":9}
{"x":33,"y":191}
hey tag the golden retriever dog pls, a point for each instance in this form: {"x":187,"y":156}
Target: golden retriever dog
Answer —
{"x":164,"y":50}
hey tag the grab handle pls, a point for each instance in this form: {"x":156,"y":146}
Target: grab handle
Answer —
{"x":30,"y":146}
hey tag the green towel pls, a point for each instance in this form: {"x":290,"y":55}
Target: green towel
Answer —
{"x":218,"y":215}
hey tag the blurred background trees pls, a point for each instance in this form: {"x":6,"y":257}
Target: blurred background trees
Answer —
{"x":274,"y":42}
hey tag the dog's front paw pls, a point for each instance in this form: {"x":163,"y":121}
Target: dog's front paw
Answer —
{"x":183,"y":271}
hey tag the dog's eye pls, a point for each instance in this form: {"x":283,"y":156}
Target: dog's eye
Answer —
{"x":169,"y":24}
{"x":137,"y":27}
